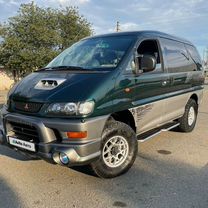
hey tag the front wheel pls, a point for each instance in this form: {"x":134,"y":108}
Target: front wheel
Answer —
{"x":118,"y":150}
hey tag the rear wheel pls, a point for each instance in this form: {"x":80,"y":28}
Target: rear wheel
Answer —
{"x":118,"y":150}
{"x":188,"y":121}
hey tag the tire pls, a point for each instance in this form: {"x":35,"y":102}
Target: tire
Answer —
{"x":116,"y":132}
{"x":191,"y":110}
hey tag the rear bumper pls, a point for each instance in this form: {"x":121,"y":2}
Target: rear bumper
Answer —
{"x":49,"y":146}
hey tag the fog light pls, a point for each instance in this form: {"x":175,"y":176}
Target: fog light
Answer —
{"x":64,"y":158}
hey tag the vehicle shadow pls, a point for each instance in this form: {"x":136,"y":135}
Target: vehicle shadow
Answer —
{"x":5,"y":151}
{"x":86,"y":169}
{"x":8,"y":198}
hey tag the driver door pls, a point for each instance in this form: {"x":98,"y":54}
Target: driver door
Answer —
{"x":150,"y":88}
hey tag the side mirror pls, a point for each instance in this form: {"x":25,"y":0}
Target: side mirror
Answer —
{"x":148,"y":63}
{"x":143,"y":63}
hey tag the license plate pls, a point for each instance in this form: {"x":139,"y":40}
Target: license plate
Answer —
{"x":22,"y":144}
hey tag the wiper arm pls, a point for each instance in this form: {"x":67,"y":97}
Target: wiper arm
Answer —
{"x":74,"y":68}
{"x":68,"y":67}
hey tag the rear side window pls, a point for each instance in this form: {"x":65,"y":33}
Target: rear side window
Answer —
{"x":195,"y":57}
{"x":176,"y":55}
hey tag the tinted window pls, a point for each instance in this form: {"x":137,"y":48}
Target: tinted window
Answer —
{"x":195,"y":57}
{"x":176,"y":56}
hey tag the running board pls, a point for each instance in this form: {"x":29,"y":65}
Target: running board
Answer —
{"x":149,"y":135}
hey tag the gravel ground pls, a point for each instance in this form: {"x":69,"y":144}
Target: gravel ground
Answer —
{"x":171,"y":171}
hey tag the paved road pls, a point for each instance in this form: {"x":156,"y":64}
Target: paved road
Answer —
{"x":171,"y":171}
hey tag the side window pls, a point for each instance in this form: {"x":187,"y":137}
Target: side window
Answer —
{"x":195,"y":57}
{"x":176,"y":55}
{"x":148,"y":47}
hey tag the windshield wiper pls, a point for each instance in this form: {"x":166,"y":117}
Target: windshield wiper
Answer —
{"x":74,"y":68}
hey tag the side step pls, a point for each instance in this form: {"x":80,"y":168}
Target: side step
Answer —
{"x":152,"y":133}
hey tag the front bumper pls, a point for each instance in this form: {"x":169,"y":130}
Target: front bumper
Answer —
{"x":52,"y":141}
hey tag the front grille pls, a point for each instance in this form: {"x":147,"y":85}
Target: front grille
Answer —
{"x":24,"y":132}
{"x":27,"y":107}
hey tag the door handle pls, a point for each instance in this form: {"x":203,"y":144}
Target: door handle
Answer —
{"x":164,"y":83}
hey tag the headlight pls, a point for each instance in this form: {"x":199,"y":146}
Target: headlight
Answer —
{"x":82,"y":108}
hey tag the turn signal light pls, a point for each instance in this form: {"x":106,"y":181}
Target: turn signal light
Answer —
{"x":77,"y":135}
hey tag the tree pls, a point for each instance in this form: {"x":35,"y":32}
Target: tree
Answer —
{"x":36,"y":35}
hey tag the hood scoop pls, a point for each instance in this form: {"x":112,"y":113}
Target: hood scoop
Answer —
{"x":49,"y":83}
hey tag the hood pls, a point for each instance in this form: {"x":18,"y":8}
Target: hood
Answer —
{"x":68,"y":87}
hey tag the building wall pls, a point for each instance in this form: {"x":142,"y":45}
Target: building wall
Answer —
{"x":5,"y":81}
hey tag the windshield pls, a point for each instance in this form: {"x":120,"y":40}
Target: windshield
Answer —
{"x":95,"y":53}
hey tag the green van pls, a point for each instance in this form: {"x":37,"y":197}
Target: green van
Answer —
{"x":98,"y":98}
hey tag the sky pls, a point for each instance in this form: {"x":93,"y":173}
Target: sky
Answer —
{"x":183,"y":18}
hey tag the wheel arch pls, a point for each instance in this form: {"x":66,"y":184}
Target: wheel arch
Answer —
{"x":125,"y":117}
{"x":195,"y":98}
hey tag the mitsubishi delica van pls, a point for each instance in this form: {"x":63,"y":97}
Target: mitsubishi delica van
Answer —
{"x":98,"y":99}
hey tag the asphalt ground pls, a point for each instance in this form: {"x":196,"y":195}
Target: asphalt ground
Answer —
{"x":171,"y":171}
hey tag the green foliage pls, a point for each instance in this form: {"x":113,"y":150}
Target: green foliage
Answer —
{"x":36,"y":35}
